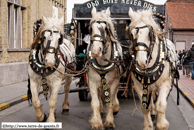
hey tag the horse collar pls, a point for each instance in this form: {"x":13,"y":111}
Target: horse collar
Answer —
{"x":109,"y":66}
{"x":151,"y":75}
{"x":40,"y":68}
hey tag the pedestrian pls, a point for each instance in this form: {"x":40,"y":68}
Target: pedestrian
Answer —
{"x":180,"y":56}
{"x":191,"y":60}
{"x":185,"y":63}
{"x":182,"y":59}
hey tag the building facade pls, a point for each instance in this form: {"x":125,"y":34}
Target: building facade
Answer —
{"x":17,"y":18}
{"x":180,"y":23}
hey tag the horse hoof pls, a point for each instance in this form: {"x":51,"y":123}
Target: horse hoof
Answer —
{"x":115,"y":113}
{"x":65,"y":111}
{"x":109,"y":128}
{"x":153,"y":119}
{"x":45,"y":118}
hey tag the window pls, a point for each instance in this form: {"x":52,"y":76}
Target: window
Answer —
{"x":15,"y":24}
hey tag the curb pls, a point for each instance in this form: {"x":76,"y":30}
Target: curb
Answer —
{"x":15,"y":101}
{"x":186,"y":95}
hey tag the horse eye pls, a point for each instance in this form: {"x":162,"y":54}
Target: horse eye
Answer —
{"x":44,"y":37}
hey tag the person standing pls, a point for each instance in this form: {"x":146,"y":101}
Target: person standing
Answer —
{"x":191,"y":61}
{"x":185,"y":62}
{"x":182,"y":59}
{"x":180,"y":56}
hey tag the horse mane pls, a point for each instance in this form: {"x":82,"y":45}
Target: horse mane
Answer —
{"x":150,"y":21}
{"x":52,"y":23}
{"x":101,"y":16}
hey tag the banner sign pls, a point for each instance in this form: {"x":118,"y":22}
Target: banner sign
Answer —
{"x":118,"y":8}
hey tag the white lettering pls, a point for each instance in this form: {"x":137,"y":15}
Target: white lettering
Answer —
{"x":116,"y":1}
{"x":108,"y":1}
{"x":104,"y":1}
{"x":123,"y":2}
{"x":135,"y":2}
{"x":139,"y":3}
{"x":145,"y":5}
{"x":154,"y":9}
{"x":150,"y":6}
{"x":112,"y":1}
{"x":89,"y":5}
{"x":131,"y":2}
{"x":92,"y":4}
{"x":127,"y":1}
{"x":97,"y":2}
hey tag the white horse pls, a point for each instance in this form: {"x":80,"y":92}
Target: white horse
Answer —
{"x":44,"y":58}
{"x":154,"y":59}
{"x":103,"y":77}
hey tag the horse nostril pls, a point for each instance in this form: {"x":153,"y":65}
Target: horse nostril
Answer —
{"x":146,"y":61}
{"x":100,"y":49}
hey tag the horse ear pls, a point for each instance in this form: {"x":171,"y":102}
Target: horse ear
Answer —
{"x":61,"y":21}
{"x":44,"y":20}
{"x":131,"y":13}
{"x":150,"y":12}
{"x":93,"y":11}
{"x":108,"y":11}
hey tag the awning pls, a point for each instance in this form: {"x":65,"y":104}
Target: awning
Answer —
{"x":119,"y":8}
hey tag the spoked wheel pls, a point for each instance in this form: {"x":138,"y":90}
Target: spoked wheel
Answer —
{"x":83,"y":95}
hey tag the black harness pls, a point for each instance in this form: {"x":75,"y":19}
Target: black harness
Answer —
{"x":37,"y":63}
{"x":103,"y":39}
{"x":102,"y":70}
{"x":150,"y":75}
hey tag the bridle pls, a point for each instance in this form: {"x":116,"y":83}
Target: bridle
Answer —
{"x":140,"y":46}
{"x":101,"y":38}
{"x":104,"y":39}
{"x":49,"y":48}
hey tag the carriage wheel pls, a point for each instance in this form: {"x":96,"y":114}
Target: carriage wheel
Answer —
{"x":83,"y":95}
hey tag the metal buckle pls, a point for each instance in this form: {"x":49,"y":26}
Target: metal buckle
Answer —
{"x":51,"y":51}
{"x":140,"y":48}
{"x":96,"y":39}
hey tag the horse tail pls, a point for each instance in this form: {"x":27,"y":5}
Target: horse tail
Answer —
{"x":29,"y":93}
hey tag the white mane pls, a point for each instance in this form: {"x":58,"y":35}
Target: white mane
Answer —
{"x":146,"y":17}
{"x":48,"y":24}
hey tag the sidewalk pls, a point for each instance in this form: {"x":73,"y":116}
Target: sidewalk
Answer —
{"x":186,"y":87}
{"x":17,"y":93}
{"x":13,"y":94}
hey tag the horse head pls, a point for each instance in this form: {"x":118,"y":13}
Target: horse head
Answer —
{"x":51,"y":37}
{"x":142,"y":32}
{"x":100,"y":29}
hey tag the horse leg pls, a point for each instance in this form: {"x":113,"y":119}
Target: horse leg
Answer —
{"x":153,"y":112}
{"x":68,"y":81}
{"x":95,"y":121}
{"x":116,"y":106}
{"x":162,"y":123}
{"x":53,"y":99}
{"x":34,"y":86}
{"x":109,"y":121}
